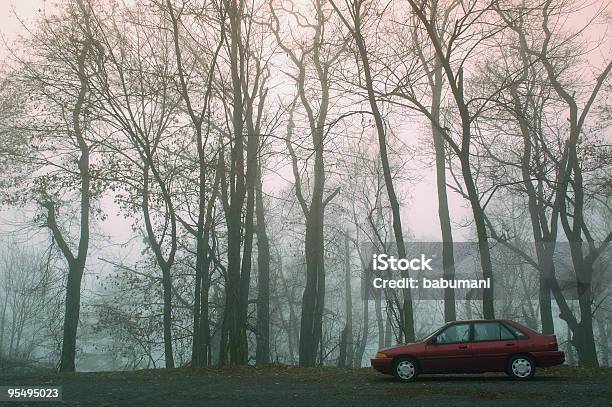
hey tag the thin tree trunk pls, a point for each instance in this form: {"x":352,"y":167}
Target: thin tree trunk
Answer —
{"x":311,"y":319}
{"x":71,"y":319}
{"x":262,"y":353}
{"x":165,"y":265}
{"x":3,"y":321}
{"x":488,"y":309}
{"x":223,"y":340}
{"x":342,"y":345}
{"x":292,"y":328}
{"x":380,"y":321}
{"x":363,"y":341}
{"x":245,"y":273}
{"x":604,"y":341}
{"x":348,"y":303}
{"x":167,"y":289}
{"x":570,"y":348}
{"x":583,"y":337}
{"x":448,"y":258}
{"x":388,"y":332}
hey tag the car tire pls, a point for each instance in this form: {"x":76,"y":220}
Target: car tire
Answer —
{"x":405,"y":369}
{"x":520,"y":367}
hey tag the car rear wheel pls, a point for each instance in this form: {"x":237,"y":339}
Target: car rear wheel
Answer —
{"x":405,"y":370}
{"x":520,"y":367}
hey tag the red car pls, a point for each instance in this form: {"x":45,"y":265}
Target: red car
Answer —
{"x":472,"y":347}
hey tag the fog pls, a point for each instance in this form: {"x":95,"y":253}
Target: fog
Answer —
{"x":150,"y":220}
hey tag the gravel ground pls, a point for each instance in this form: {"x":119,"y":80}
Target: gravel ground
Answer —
{"x":291,"y":386}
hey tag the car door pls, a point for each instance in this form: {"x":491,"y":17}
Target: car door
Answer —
{"x":449,"y":351}
{"x":492,"y":344}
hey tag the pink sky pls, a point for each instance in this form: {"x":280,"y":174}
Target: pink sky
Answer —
{"x":419,"y":214}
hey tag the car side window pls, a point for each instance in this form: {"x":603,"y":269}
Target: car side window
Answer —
{"x":517,"y":333}
{"x":505,"y":334}
{"x":493,"y":331}
{"x":456,"y":333}
{"x":486,"y":331}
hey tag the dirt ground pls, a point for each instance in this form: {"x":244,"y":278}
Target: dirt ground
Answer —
{"x":292,"y":386}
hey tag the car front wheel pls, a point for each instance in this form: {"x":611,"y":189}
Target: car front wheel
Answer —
{"x":520,"y":367}
{"x":405,"y":370}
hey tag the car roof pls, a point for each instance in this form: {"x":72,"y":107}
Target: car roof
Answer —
{"x":478,"y":320}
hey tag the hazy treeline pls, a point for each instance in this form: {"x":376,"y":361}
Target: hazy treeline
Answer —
{"x":254,"y":146}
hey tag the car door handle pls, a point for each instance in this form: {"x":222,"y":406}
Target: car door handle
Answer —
{"x":463,"y":347}
{"x":509,"y":344}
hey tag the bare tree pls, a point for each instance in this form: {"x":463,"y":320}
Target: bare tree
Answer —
{"x":201,"y":122}
{"x":141,"y":105}
{"x":357,"y":13}
{"x":321,"y":56}
{"x":63,"y":137}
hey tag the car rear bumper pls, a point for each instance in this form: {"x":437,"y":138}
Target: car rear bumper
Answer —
{"x":549,"y":358}
{"x":383,"y":365}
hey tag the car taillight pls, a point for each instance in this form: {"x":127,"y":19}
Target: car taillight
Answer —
{"x":552,"y":345}
{"x":381,"y":355}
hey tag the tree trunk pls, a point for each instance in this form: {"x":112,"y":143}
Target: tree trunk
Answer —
{"x":604,"y":341}
{"x":291,"y":328}
{"x":348,"y":303}
{"x":388,"y":332}
{"x":71,"y":319}
{"x":361,"y":344}
{"x":363,"y":341}
{"x":164,"y":264}
{"x":201,"y":320}
{"x":312,"y":304}
{"x":448,"y":258}
{"x":262,"y":352}
{"x":245,"y":273}
{"x":167,"y":288}
{"x":197,"y":298}
{"x":570,"y":348}
{"x":223,"y":340}
{"x":343,"y":342}
{"x":380,"y":321}
{"x":204,"y":324}
{"x":3,"y":321}
{"x":583,"y":339}
{"x":237,"y":193}
{"x":488,"y":309}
